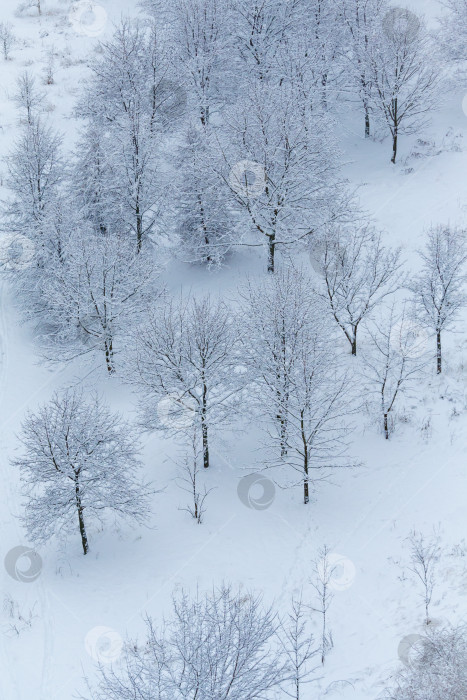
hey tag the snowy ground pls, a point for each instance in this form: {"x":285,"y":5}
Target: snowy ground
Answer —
{"x":417,"y":479}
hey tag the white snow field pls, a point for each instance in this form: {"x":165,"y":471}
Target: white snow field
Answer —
{"x":78,"y":609}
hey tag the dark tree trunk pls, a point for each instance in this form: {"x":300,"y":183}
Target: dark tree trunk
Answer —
{"x":306,"y":491}
{"x":109,"y":356}
{"x":386,"y":426}
{"x":367,"y":123}
{"x":204,"y":428}
{"x":139,"y":230}
{"x":271,"y":253}
{"x":354,"y":342}
{"x":82,"y":529}
{"x":438,"y":352}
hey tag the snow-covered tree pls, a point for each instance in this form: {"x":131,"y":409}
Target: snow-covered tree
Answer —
{"x":439,"y":289}
{"x":203,"y":216}
{"x":280,"y":166}
{"x":93,"y":181}
{"x":122,"y":95}
{"x":320,"y":404}
{"x":297,"y":379}
{"x":299,"y":646}
{"x":80,"y":463}
{"x":277,"y":316}
{"x":7,"y":39}
{"x":437,"y":668}
{"x":198,"y":37}
{"x":359,"y":272}
{"x":220,"y":645}
{"x":28,"y":99}
{"x":361,"y":19}
{"x":94,"y":295}
{"x":403,"y":75}
{"x":184,"y":365}
{"x":35,"y":174}
{"x":393,"y":360}
{"x":259,"y":27}
{"x":454,"y":30}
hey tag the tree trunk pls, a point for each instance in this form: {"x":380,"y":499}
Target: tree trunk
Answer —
{"x":271,"y":253}
{"x":82,"y":529}
{"x":438,"y":352}
{"x":139,"y":230}
{"x":109,"y":356}
{"x":354,"y":342}
{"x":306,"y":493}
{"x":204,"y":428}
{"x":367,"y":123}
{"x":386,"y":426}
{"x":395,"y":132}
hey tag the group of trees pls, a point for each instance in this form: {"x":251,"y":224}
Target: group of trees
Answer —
{"x":200,"y":363}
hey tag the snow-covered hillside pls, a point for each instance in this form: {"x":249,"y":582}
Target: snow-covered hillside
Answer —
{"x":78,"y":610}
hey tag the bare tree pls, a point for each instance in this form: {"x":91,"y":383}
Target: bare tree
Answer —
{"x":424,"y":558}
{"x":80,"y":463}
{"x":122,"y":94}
{"x":203,"y":216}
{"x":279,"y":164}
{"x":35,"y":173}
{"x":437,"y":671}
{"x":220,"y":645}
{"x":322,"y":574}
{"x":28,"y":98}
{"x":454,"y":29}
{"x":359,"y":273}
{"x":94,"y":293}
{"x":361,"y":20}
{"x":184,"y":363}
{"x":189,"y":481}
{"x":276,"y":319}
{"x":7,"y":39}
{"x":439,"y":289}
{"x":298,"y":645}
{"x":394,"y":359}
{"x":404,"y":77}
